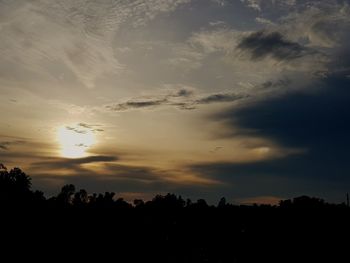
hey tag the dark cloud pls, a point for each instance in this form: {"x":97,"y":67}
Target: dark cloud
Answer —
{"x":85,"y":125}
{"x":184,"y":92}
{"x":99,"y":184}
{"x":262,"y":44}
{"x":139,"y":104}
{"x":83,"y":128}
{"x":124,"y":178}
{"x":67,"y":163}
{"x":136,"y":104}
{"x":91,"y":127}
{"x":280,"y":83}
{"x":220,"y":97}
{"x":184,"y":105}
{"x":316,"y":121}
{"x":286,"y":177}
{"x":75,"y":129}
{"x":138,"y":173}
{"x":115,"y":177}
{"x":300,"y":118}
{"x":112,"y":171}
{"x":184,"y":100}
{"x":81,"y":145}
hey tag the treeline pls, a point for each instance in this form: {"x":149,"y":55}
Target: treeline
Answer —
{"x":167,"y":228}
{"x":15,"y":189}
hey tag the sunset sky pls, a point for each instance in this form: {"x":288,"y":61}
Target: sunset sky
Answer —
{"x":247,"y":99}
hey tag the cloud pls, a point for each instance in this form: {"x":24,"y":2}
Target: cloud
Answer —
{"x":109,"y":170}
{"x":183,"y":92}
{"x":115,"y":177}
{"x":317,"y":24}
{"x":262,"y":5}
{"x":299,"y":118}
{"x":217,"y":23}
{"x":121,"y":178}
{"x":5,"y":144}
{"x":67,"y":163}
{"x":308,"y":112}
{"x":285,"y":177}
{"x":255,"y":57}
{"x":84,"y":128}
{"x":323,"y":24}
{"x":136,"y":104}
{"x":264,"y":21}
{"x":91,"y":159}
{"x":262,"y":44}
{"x":111,"y":176}
{"x":216,"y":149}
{"x":183,"y":99}
{"x":312,"y":121}
{"x":64,"y":40}
{"x":219,"y":40}
{"x":138,"y":173}
{"x":220,"y":97}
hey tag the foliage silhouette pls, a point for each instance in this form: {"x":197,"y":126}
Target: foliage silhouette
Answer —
{"x":168,"y":228}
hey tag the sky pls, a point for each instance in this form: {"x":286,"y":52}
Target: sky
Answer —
{"x":247,"y":99}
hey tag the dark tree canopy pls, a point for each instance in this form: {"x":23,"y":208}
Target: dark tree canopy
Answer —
{"x":170,"y":229}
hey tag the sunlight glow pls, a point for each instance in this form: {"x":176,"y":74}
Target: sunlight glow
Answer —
{"x":74,"y":142}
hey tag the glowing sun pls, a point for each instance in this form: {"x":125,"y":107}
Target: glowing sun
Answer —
{"x":74,"y":141}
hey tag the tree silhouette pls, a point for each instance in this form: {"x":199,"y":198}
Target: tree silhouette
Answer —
{"x":170,"y":229}
{"x":139,"y":203}
{"x":222,"y":202}
{"x":66,"y":194}
{"x":14,"y":185}
{"x":21,"y":181}
{"x":81,"y":198}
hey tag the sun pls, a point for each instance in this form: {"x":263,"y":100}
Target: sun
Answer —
{"x":74,"y":141}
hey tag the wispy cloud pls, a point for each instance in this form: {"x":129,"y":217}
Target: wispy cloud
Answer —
{"x":183,"y":99}
{"x":73,"y":37}
{"x":219,"y":40}
{"x":75,"y":164}
{"x":324,"y":24}
{"x":4,"y":145}
{"x":83,"y":128}
{"x":262,"y":5}
{"x":112,"y":176}
{"x":264,"y":21}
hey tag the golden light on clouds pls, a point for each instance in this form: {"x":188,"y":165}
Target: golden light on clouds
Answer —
{"x":74,"y":143}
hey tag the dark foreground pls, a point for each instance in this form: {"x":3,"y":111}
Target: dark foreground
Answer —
{"x":101,"y":228}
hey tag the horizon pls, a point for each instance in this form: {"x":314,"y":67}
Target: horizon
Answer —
{"x":247,"y":100}
{"x":17,"y":187}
